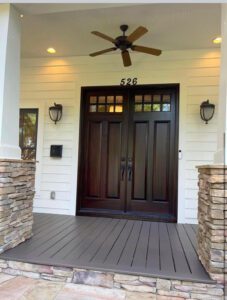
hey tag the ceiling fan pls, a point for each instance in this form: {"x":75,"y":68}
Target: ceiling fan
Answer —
{"x":124,"y":43}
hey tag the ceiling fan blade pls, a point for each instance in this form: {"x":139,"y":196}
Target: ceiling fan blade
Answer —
{"x":126,"y":58}
{"x":103,"y":51}
{"x":147,"y":50}
{"x":135,"y":35}
{"x":104,"y":36}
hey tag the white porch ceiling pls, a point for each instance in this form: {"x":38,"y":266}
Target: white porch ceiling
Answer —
{"x":67,"y":27}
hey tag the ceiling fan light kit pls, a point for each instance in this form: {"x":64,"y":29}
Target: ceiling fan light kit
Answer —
{"x":123,"y":43}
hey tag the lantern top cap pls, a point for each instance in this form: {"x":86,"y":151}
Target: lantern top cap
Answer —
{"x":207,"y":104}
{"x":58,"y":106}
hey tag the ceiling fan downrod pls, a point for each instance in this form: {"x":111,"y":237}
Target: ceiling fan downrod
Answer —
{"x":124,"y":28}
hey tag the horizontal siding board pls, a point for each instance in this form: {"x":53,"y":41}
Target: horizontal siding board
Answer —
{"x":47,"y":78}
{"x":50,"y":86}
{"x":191,"y":204}
{"x":53,"y":169}
{"x":42,"y":95}
{"x":60,"y":211}
{"x":202,"y":146}
{"x":61,"y":196}
{"x":203,"y":81}
{"x":56,"y":178}
{"x":59,"y":186}
{"x":202,"y":90}
{"x":207,"y":72}
{"x":60,"y":204}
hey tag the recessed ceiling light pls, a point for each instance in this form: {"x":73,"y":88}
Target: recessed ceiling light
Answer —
{"x":51,"y":50}
{"x":21,"y":16}
{"x":217,"y":40}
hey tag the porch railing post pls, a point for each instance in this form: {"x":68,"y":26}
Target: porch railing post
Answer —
{"x":16,"y":176}
{"x":9,"y":81}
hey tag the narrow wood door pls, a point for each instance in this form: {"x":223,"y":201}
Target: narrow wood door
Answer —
{"x":152,"y":153}
{"x":128,"y":161}
{"x":104,"y":151}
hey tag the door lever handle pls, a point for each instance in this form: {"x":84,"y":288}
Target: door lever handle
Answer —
{"x":129,"y":169}
{"x":123,"y":166}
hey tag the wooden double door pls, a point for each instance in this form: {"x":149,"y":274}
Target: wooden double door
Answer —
{"x":128,"y":152}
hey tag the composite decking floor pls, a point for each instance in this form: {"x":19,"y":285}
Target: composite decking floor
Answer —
{"x":125,"y":246}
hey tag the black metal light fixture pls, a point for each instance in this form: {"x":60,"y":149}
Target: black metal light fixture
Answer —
{"x":207,"y":111}
{"x":55,"y":112}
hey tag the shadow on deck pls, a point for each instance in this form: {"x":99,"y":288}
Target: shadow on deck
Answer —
{"x":124,"y":246}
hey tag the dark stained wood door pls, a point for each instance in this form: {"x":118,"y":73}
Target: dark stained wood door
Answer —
{"x":152,"y":153}
{"x":104,"y":150}
{"x":128,"y":152}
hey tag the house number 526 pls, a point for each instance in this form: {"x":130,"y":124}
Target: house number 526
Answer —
{"x":128,"y":81}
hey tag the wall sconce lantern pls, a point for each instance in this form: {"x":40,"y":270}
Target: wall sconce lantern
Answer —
{"x":207,"y":111}
{"x":55,"y":112}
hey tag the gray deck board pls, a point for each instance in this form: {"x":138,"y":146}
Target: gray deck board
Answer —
{"x":53,"y":243}
{"x":181,"y":264}
{"x":84,"y":236}
{"x":51,"y":232}
{"x":190,"y":253}
{"x":88,"y":240}
{"x":114,"y":245}
{"x":118,"y":247}
{"x":140,"y":255}
{"x":194,"y":227}
{"x":70,"y":245}
{"x":153,"y":252}
{"x":108,"y":244}
{"x":91,"y":251}
{"x":127,"y":254}
{"x":191,"y":234}
{"x":166,"y":256}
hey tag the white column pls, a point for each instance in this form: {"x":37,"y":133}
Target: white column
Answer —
{"x":221,"y":155}
{"x":9,"y":81}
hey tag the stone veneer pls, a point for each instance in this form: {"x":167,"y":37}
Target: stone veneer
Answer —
{"x":127,"y":287}
{"x":16,"y":201}
{"x":212,"y":220}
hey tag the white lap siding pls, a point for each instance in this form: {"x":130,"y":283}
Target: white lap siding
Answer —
{"x":48,"y":80}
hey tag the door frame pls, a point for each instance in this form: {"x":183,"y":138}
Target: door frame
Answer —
{"x":84,"y":91}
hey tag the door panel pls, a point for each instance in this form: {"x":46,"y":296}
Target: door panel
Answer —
{"x":161,"y":161}
{"x":129,"y":152}
{"x":140,"y":160}
{"x":114,"y":157}
{"x":94,"y":159}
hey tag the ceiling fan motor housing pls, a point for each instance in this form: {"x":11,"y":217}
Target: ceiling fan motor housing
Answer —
{"x":122,"y":43}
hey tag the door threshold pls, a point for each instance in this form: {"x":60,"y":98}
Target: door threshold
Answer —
{"x":128,"y":215}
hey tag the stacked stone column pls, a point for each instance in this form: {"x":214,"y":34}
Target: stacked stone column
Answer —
{"x":212,"y":219}
{"x":17,"y":179}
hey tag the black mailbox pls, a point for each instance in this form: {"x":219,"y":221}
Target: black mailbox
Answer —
{"x":56,"y":151}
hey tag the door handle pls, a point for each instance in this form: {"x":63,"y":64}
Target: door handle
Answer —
{"x":129,"y":169}
{"x":123,"y":165}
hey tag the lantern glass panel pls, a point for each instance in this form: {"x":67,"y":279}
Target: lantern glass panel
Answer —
{"x":208,"y":112}
{"x":54,"y":114}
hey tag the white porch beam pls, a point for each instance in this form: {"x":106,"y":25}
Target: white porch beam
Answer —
{"x":9,"y":81}
{"x":221,"y":155}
